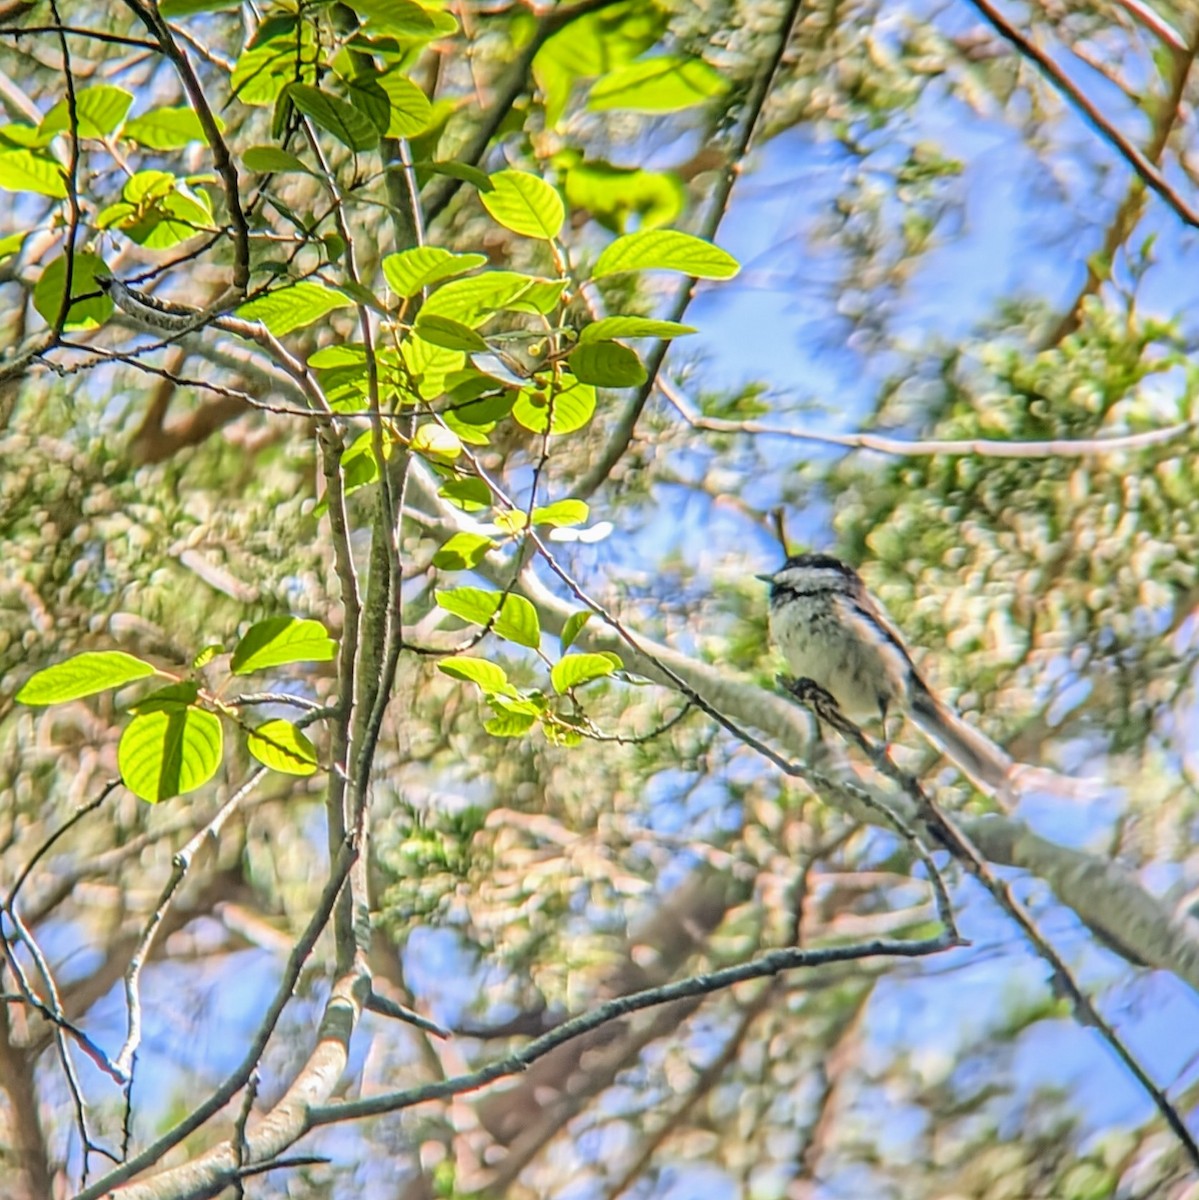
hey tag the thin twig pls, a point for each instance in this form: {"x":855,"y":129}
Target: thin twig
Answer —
{"x":949,"y":447}
{"x":1151,"y":176}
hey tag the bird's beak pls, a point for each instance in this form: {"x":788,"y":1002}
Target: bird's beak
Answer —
{"x":765,"y":578}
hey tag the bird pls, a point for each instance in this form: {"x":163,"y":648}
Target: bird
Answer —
{"x":832,"y":631}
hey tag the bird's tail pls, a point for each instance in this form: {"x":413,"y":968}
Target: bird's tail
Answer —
{"x":986,"y":763}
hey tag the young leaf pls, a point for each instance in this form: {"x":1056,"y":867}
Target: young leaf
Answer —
{"x":84,"y":675}
{"x":517,"y":621}
{"x":432,"y":441}
{"x":607,"y":364}
{"x":470,"y":495}
{"x":562,"y":512}
{"x":335,"y":116}
{"x":411,"y":270}
{"x":293,"y":307}
{"x":448,"y":333}
{"x":507,"y":723}
{"x":280,"y":640}
{"x":526,"y":204}
{"x":572,"y":409}
{"x":409,"y":109}
{"x":278,"y":744}
{"x":169,"y":752}
{"x":667,"y":83}
{"x":489,"y":676}
{"x":24,"y":171}
{"x":607,"y":328}
{"x":577,"y":669}
{"x":99,"y":110}
{"x":463,"y":551}
{"x":167,"y":128}
{"x":83,"y":314}
{"x":666,"y":250}
{"x":573,"y":627}
{"x":268,"y":160}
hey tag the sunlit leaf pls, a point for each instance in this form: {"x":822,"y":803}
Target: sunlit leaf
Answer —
{"x":270,"y":159}
{"x":666,"y":83}
{"x":100,"y":111}
{"x":24,"y":171}
{"x":562,"y":512}
{"x":293,"y":307}
{"x":169,"y":752}
{"x":463,"y":551}
{"x":572,"y":408}
{"x":631,"y":327}
{"x":470,"y":495}
{"x":487,"y":675}
{"x":83,"y":675}
{"x":167,"y":128}
{"x":525,"y":204}
{"x":453,"y":335}
{"x":607,"y":364}
{"x":666,"y":249}
{"x":434,"y":441}
{"x":335,"y":116}
{"x":573,"y":627}
{"x":577,"y":669}
{"x":278,"y":744}
{"x":405,"y":18}
{"x":517,"y":620}
{"x":619,"y":196}
{"x":409,"y":109}
{"x":280,"y":640}
{"x":411,"y":270}
{"x":83,"y":314}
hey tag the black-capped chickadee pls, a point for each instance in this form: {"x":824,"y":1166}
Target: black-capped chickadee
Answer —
{"x":831,"y":630}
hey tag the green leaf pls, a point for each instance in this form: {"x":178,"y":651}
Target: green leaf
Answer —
{"x":168,"y":699}
{"x":509,"y":723}
{"x":517,"y":620}
{"x":12,"y":244}
{"x":335,"y":116}
{"x":207,"y":655}
{"x":489,"y":676}
{"x":470,"y":495}
{"x":666,"y":83}
{"x":169,"y":752}
{"x":83,"y":314}
{"x":463,"y":551}
{"x":278,"y":744}
{"x":409,"y":109}
{"x":457,"y":170}
{"x":100,"y":111}
{"x":83,"y":675}
{"x":576,"y":669}
{"x":573,"y":627}
{"x":562,"y":513}
{"x":472,"y":301}
{"x":607,"y":328}
{"x":169,"y":220}
{"x":185,"y":8}
{"x":572,"y":408}
{"x":525,"y":204}
{"x":591,"y":44}
{"x":280,"y":54}
{"x":667,"y":250}
{"x":619,"y":196}
{"x":167,"y":128}
{"x":23,"y":171}
{"x":607,"y":364}
{"x":279,"y":640}
{"x":411,"y":270}
{"x":293,"y":307}
{"x":452,"y":335}
{"x":405,"y":18}
{"x":270,"y":159}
